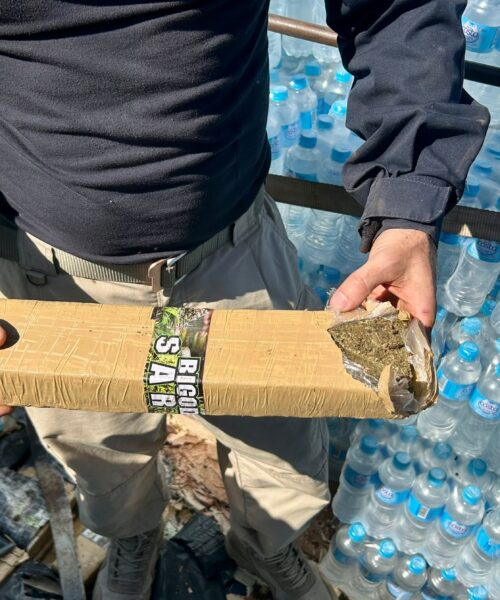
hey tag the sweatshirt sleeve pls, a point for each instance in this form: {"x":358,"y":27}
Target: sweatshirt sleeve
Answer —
{"x":421,"y":130}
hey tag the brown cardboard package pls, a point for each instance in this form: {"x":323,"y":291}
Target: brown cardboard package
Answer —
{"x":93,"y":357}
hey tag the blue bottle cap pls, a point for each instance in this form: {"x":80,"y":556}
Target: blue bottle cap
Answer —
{"x":312,"y":68}
{"x":488,"y":307}
{"x":357,"y":532}
{"x":471,"y":325}
{"x":307,"y":139}
{"x":375,"y":423}
{"x":340,"y":154}
{"x":497,"y":370}
{"x":449,"y":574}
{"x":468,"y":351}
{"x":299,"y":82}
{"x":477,"y":593}
{"x":442,"y":450}
{"x":417,"y":565}
{"x":369,"y":444}
{"x":436,"y":477}
{"x":343,"y":76}
{"x":472,"y":495}
{"x":339,"y":108}
{"x":441,"y":314}
{"x":477,"y":467}
{"x":408,"y":433}
{"x":401,"y":461}
{"x":387,"y":549}
{"x":279,"y":93}
{"x":452,"y":239}
{"x":472,"y":187}
{"x":325,"y":122}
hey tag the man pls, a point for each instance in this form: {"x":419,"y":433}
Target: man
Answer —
{"x":131,"y":132}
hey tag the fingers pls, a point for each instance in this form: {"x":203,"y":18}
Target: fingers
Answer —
{"x":5,"y":410}
{"x":357,"y":287}
{"x":3,"y":336}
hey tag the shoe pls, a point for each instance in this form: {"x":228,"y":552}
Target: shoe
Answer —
{"x":129,"y":567}
{"x":288,"y":575}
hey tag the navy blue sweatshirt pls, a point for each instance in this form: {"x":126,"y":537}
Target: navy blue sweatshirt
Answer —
{"x":133,"y":129}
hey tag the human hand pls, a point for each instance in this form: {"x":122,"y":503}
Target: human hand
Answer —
{"x":4,"y":410}
{"x":400,"y":269}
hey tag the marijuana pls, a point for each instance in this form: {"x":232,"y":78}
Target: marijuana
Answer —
{"x":374,"y":344}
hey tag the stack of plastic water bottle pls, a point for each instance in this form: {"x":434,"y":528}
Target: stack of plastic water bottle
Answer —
{"x":423,"y":495}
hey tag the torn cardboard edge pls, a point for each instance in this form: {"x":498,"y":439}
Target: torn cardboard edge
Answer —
{"x":257,"y":363}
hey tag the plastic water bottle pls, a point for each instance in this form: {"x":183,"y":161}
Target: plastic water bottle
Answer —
{"x":481,"y":417}
{"x":475,"y":275}
{"x":339,"y":433}
{"x":295,"y":223}
{"x":346,"y":256}
{"x":495,"y":319}
{"x":325,"y":54}
{"x":488,"y":191}
{"x":287,"y":114}
{"x":490,"y":357}
{"x":439,"y":455}
{"x":274,"y":49}
{"x":298,"y":9}
{"x":473,"y":472}
{"x":425,"y":504}
{"x":441,"y":585}
{"x":478,"y":592}
{"x":338,"y":111}
{"x":357,"y":480}
{"x":313,"y":72}
{"x":492,"y":452}
{"x":408,"y":577}
{"x":494,"y":582}
{"x":330,"y":170}
{"x":405,"y":439}
{"x":449,"y":534}
{"x":375,"y":563}
{"x":324,"y":135}
{"x":274,"y":138}
{"x":306,"y":100}
{"x":376,"y":427}
{"x":302,"y":161}
{"x":481,"y":553}
{"x":470,"y":196}
{"x":481,"y":22}
{"x":457,"y":375}
{"x":484,"y":315}
{"x":338,"y":565}
{"x":396,"y":476}
{"x":338,"y":88}
{"x":442,"y":325}
{"x":468,"y":329}
{"x":449,"y":248}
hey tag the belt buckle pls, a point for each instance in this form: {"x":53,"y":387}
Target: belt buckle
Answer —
{"x":164,"y":268}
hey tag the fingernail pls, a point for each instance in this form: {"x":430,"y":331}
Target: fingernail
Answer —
{"x":339,"y":300}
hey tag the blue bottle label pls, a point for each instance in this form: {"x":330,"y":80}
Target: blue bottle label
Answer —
{"x":342,"y":558}
{"x":451,"y":390}
{"x":369,"y":575}
{"x":485,"y":251}
{"x":307,"y":119}
{"x":486,"y":544}
{"x":357,"y":480}
{"x":290,"y":133}
{"x":454,"y":528}
{"x":388,"y":496}
{"x":487,"y":409}
{"x":422,"y":512}
{"x":303,"y":176}
{"x":275,"y":144}
{"x":478,"y":37}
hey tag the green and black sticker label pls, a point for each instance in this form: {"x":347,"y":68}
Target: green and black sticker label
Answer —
{"x":174,"y":368}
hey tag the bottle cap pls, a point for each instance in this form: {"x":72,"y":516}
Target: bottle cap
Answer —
{"x":375,"y":423}
{"x":343,"y":76}
{"x":442,"y":450}
{"x":477,"y":467}
{"x":471,"y":325}
{"x":472,"y":187}
{"x":387,"y":549}
{"x":472,"y":495}
{"x":417,"y":565}
{"x":312,"y":69}
{"x":340,"y":154}
{"x":477,"y":593}
{"x":408,"y":433}
{"x":401,"y":461}
{"x":369,"y":444}
{"x":299,"y":82}
{"x":357,"y":532}
{"x":436,"y":477}
{"x":468,"y":351}
{"x":441,"y":313}
{"x":449,"y":574}
{"x":488,"y":307}
{"x":325,"y":122}
{"x":307,"y":140}
{"x":279,"y":93}
{"x":487,"y":251}
{"x":452,"y":239}
{"x":497,"y":370}
{"x":339,"y":109}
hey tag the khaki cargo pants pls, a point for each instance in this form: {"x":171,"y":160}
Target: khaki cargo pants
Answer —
{"x":274,"y":469}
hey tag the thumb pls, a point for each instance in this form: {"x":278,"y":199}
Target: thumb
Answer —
{"x":356,"y":288}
